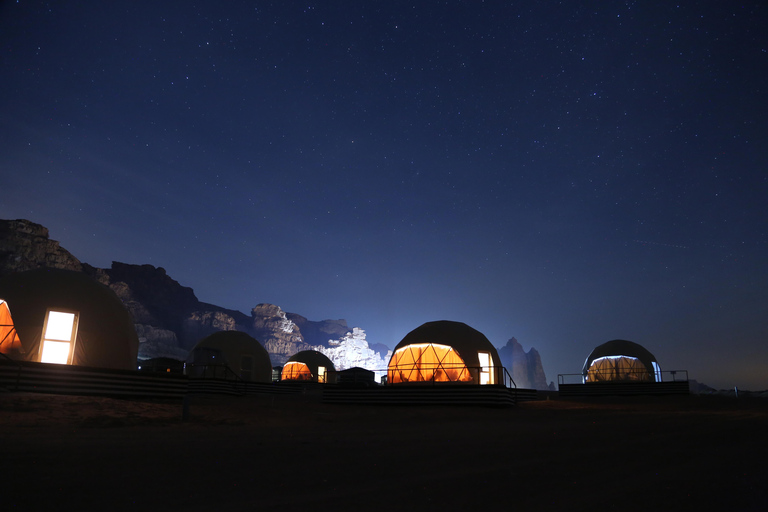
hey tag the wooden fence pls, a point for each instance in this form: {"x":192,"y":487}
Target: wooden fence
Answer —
{"x":81,"y":380}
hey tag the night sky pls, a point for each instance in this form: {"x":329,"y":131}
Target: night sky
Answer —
{"x":566,"y":173}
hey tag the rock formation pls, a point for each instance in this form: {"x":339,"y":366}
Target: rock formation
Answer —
{"x":352,"y":350}
{"x":25,"y":245}
{"x":280,"y":336}
{"x":525,"y":367}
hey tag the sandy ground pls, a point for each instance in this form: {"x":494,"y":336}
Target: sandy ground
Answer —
{"x":295,"y":453}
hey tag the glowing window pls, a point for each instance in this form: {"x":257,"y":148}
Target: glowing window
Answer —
{"x":59,"y":335}
{"x":427,"y":362}
{"x":617,"y":368}
{"x":321,"y":374}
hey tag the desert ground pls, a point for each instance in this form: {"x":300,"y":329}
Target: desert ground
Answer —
{"x":296,"y":453}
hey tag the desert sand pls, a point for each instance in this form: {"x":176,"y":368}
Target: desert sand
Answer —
{"x":296,"y":453}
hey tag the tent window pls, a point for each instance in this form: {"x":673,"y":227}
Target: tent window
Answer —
{"x":617,"y":368}
{"x":9,"y":340}
{"x":59,"y":335}
{"x":486,"y":368}
{"x":321,"y":374}
{"x":294,"y":370}
{"x":657,"y":371}
{"x":427,"y":362}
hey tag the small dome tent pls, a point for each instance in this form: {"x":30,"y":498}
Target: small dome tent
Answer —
{"x":62,"y":316}
{"x":621,"y":360}
{"x":309,"y":365}
{"x":445,"y":351}
{"x":236,"y":350}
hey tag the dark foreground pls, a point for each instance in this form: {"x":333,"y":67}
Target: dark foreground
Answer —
{"x":295,"y":453}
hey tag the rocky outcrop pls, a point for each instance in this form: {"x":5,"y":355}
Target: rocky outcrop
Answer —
{"x":160,"y":305}
{"x":352,"y":350}
{"x":280,"y":336}
{"x":525,"y":367}
{"x":155,"y":289}
{"x":25,"y":245}
{"x":319,"y":332}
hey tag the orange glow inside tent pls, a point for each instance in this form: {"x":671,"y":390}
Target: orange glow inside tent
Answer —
{"x":619,"y":368}
{"x":294,"y":370}
{"x":9,"y":340}
{"x":427,"y":362}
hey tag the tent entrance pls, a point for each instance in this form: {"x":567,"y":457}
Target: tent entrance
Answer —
{"x":59,"y":336}
{"x":9,"y":339}
{"x":486,"y":368}
{"x":321,"y":374}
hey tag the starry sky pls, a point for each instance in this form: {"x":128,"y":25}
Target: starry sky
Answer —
{"x":566,"y":173}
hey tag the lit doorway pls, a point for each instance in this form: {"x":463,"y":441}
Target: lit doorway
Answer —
{"x":59,"y":334}
{"x":486,"y":368}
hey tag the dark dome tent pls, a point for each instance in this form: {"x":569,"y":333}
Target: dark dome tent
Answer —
{"x":232,"y":350}
{"x":309,"y":365}
{"x":621,"y":360}
{"x":66,"y":317}
{"x":445,"y":351}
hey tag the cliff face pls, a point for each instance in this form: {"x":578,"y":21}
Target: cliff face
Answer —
{"x":319,"y":333}
{"x":281,"y":337}
{"x":25,"y":245}
{"x":169,"y":318}
{"x":525,"y":367}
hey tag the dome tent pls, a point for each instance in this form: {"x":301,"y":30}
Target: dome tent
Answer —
{"x":238,"y":351}
{"x":67,"y":317}
{"x":445,"y":351}
{"x":309,"y":365}
{"x":621,"y":360}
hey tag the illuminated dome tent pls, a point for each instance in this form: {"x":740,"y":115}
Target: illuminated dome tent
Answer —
{"x":238,"y":351}
{"x":445,"y":351}
{"x":9,"y":338}
{"x":65,"y":317}
{"x":309,"y":365}
{"x":621,"y":360}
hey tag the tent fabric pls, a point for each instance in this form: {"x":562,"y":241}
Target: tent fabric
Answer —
{"x":427,"y":362}
{"x":294,"y":370}
{"x":10,"y":344}
{"x":620,"y":360}
{"x":106,"y":336}
{"x":447,"y":351}
{"x":314,"y":360}
{"x":617,"y":368}
{"x":241,"y":353}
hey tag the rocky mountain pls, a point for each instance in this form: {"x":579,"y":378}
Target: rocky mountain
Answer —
{"x":525,"y":367}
